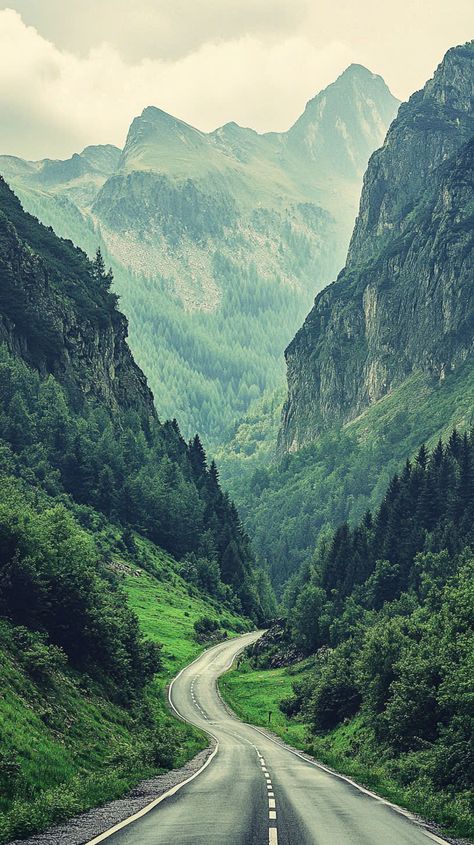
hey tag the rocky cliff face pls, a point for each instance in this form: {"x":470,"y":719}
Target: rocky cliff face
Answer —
{"x":55,"y":315}
{"x":404,"y":301}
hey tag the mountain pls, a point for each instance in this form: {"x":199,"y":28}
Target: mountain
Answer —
{"x":54,"y":317}
{"x":404,"y":301}
{"x":77,"y":397}
{"x":119,"y":550}
{"x":384,"y":360}
{"x":218,"y":240}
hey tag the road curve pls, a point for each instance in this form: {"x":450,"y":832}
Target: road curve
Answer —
{"x":255,"y":791}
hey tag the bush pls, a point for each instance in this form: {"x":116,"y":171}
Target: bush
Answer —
{"x":205,"y":627}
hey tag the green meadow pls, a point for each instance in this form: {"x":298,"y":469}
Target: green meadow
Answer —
{"x":65,"y":745}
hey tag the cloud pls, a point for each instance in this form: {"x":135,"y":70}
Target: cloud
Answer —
{"x":86,"y":68}
{"x":168,"y":29}
{"x":53,"y":102}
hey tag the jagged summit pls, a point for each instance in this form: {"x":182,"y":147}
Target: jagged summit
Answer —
{"x":429,"y":128}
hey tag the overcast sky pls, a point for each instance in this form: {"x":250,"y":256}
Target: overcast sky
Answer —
{"x":75,"y":72}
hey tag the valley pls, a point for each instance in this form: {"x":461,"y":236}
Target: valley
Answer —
{"x":306,"y":558}
{"x":218,"y":241}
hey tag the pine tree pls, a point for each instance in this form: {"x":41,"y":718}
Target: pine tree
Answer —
{"x":104,"y":279}
{"x":422,"y":457}
{"x":197,"y":457}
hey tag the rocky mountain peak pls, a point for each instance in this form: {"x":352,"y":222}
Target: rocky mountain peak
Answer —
{"x":340,"y":122}
{"x":430,"y":127}
{"x":404,"y":301}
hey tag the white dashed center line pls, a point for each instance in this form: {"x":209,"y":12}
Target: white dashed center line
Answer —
{"x":272,"y":828}
{"x":272,"y":836}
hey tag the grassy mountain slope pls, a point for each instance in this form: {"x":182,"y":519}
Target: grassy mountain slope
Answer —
{"x":66,"y":745}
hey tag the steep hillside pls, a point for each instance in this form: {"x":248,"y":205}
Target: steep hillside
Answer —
{"x":73,"y":390}
{"x":99,"y":501}
{"x":218,"y":241}
{"x":404,"y":302}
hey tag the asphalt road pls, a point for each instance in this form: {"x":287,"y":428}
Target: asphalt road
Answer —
{"x":255,"y":791}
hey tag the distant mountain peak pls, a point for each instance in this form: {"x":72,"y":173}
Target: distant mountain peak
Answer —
{"x":357,"y":70}
{"x":159,"y":116}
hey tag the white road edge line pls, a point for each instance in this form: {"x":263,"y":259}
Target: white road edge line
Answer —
{"x":395,"y":807}
{"x":153,"y":804}
{"x":125,"y":822}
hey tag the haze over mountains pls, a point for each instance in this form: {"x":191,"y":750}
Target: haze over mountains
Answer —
{"x":218,"y":241}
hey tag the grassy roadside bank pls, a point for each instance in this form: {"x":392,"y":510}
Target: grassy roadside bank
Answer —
{"x":65,"y":746}
{"x":350,"y":749}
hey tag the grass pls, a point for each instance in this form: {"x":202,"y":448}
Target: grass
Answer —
{"x":255,"y":694}
{"x":350,"y":748}
{"x":167,"y":608}
{"x":64,"y":746}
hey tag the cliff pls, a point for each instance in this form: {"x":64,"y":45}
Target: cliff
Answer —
{"x":57,"y":317}
{"x":404,"y":301}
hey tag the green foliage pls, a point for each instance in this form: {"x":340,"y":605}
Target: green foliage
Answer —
{"x":205,"y":628}
{"x":388,"y":608}
{"x":137,"y":472}
{"x":386,"y":611}
{"x":289,"y":503}
{"x":48,"y":570}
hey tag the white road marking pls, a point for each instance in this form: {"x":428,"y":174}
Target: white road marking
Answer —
{"x":153,"y":804}
{"x":271,"y":803}
{"x":395,"y":807}
{"x":271,"y":795}
{"x":272,"y":814}
{"x":272,"y":836}
{"x":105,"y":835}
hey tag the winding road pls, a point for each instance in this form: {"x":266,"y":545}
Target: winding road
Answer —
{"x":255,"y":791}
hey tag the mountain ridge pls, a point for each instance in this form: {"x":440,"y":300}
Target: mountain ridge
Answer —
{"x":218,"y":241}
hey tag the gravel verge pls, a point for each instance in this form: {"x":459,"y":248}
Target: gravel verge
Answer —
{"x":81,"y":829}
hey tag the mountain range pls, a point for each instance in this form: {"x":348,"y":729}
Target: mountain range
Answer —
{"x":218,"y":240}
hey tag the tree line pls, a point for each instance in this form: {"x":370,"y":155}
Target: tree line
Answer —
{"x":387,"y":608}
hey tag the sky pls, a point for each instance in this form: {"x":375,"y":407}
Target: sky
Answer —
{"x":76,"y":72}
